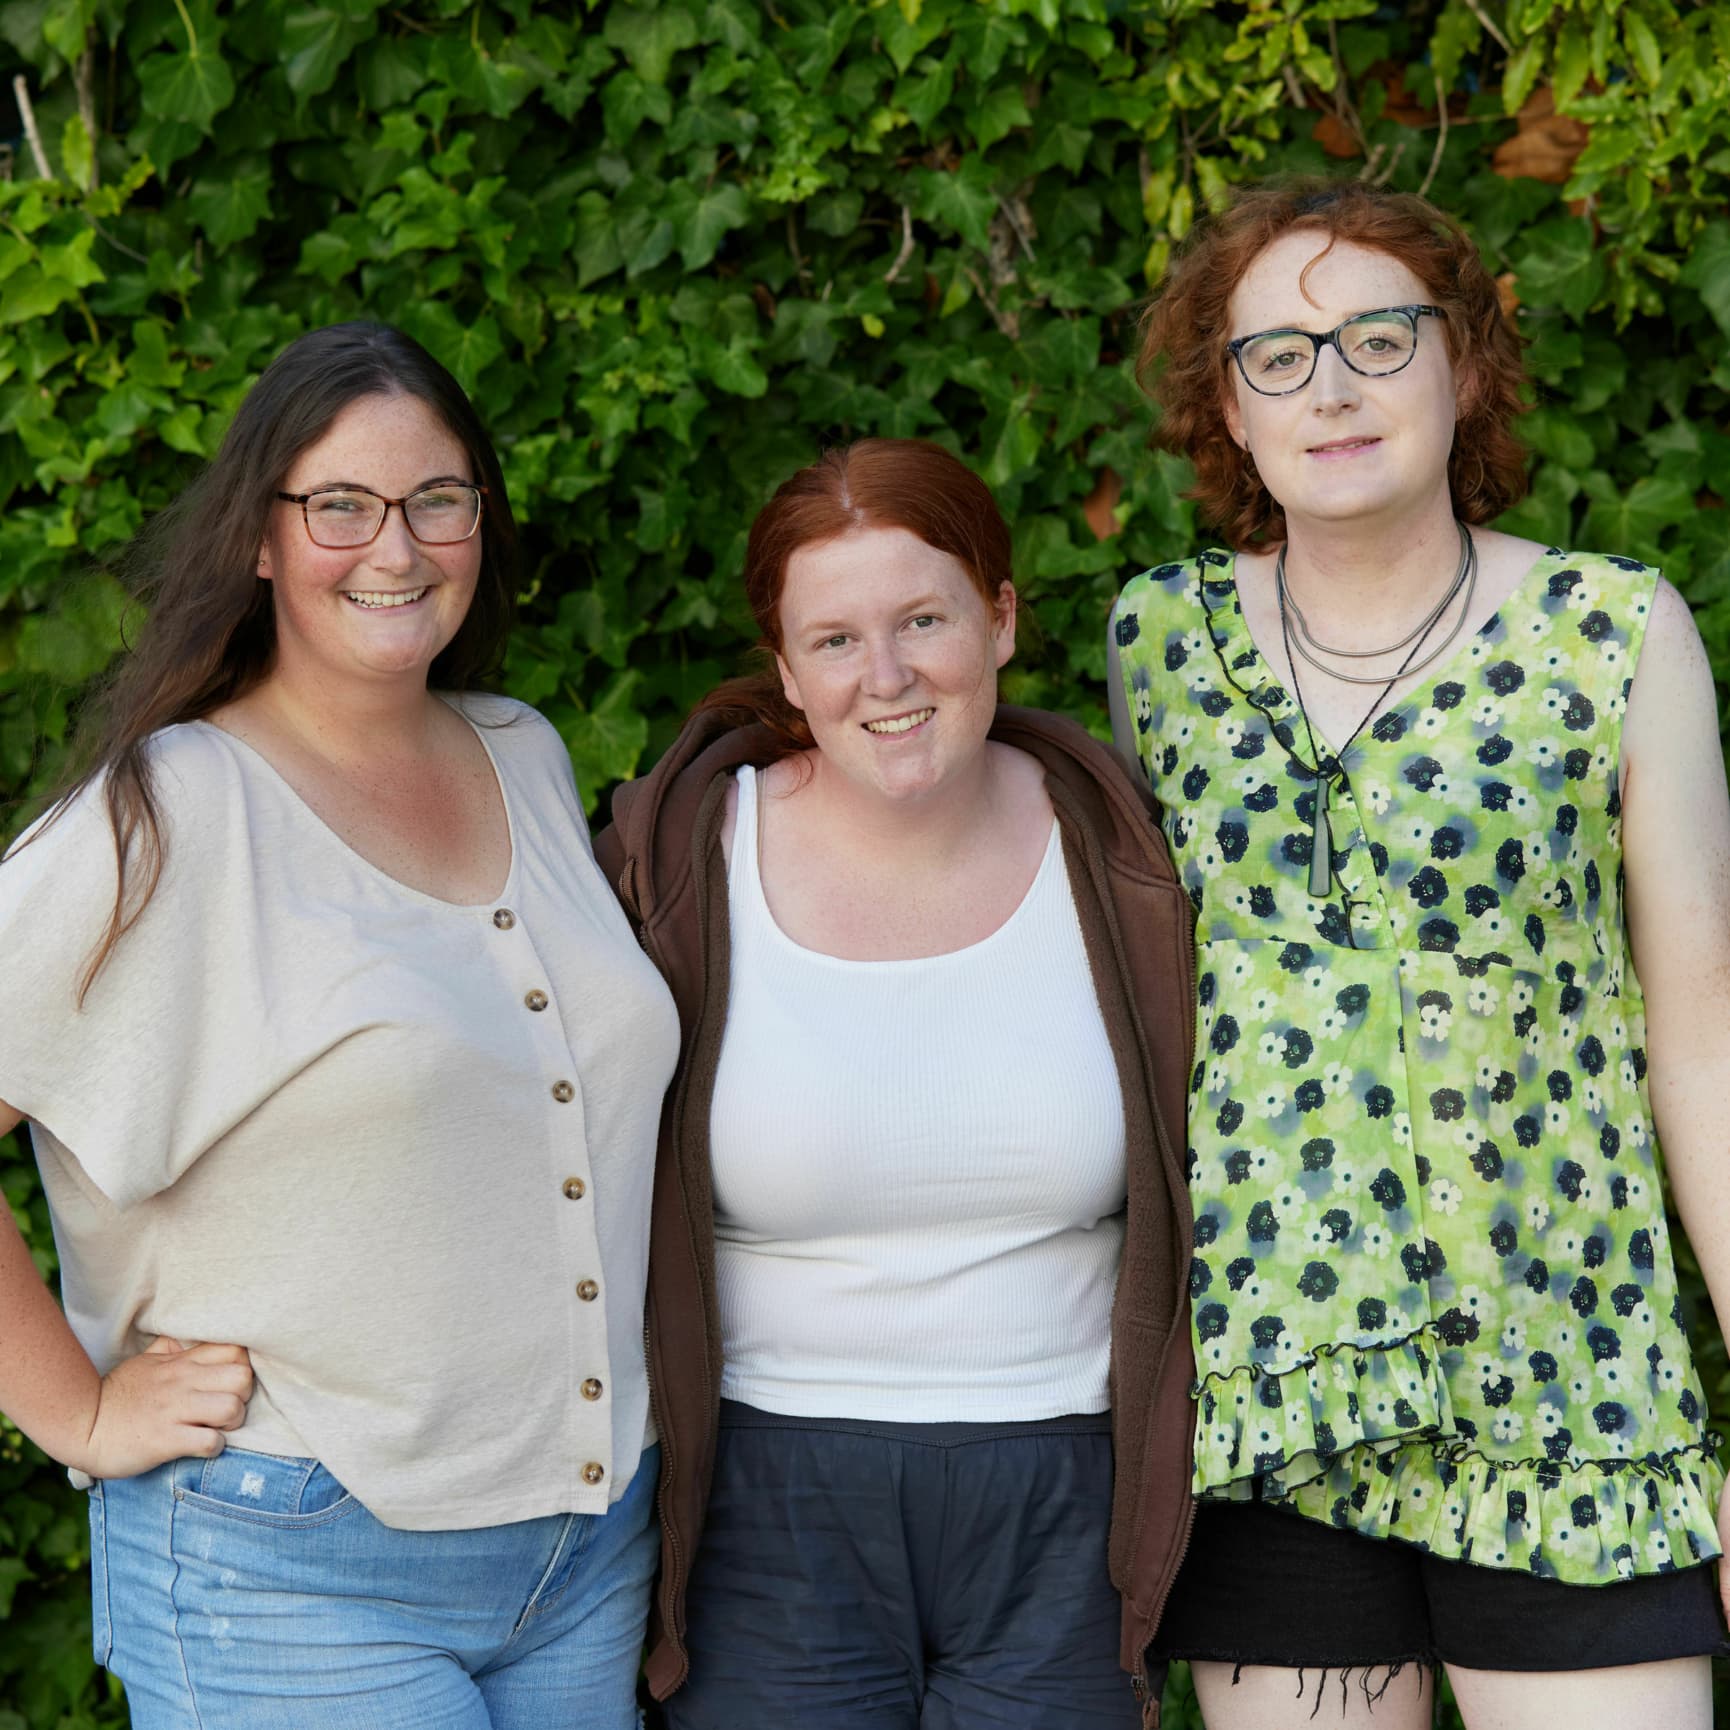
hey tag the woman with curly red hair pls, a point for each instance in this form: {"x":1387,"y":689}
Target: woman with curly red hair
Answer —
{"x":1450,"y":808}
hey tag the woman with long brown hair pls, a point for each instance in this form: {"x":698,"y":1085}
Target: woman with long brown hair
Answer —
{"x":920,"y":1229}
{"x":1451,"y":809}
{"x":334,"y":1045}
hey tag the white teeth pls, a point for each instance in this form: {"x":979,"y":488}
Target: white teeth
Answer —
{"x":902,"y":723}
{"x":383,"y":597}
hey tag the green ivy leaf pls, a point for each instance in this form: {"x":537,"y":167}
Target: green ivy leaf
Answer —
{"x":1708,"y":271}
{"x":964,"y":201}
{"x":649,"y":37}
{"x":229,"y":205}
{"x":702,"y":218}
{"x":1560,"y":263}
{"x":315,"y":45}
{"x":1631,"y":520}
{"x":606,"y":740}
{"x":189,"y":88}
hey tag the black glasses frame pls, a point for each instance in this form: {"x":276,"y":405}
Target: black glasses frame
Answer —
{"x":384,"y":516}
{"x":1318,"y":340}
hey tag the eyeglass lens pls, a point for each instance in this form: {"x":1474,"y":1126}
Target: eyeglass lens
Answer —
{"x":351,"y":519}
{"x":1375,"y":344}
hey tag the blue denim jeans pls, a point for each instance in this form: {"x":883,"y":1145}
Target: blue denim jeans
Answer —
{"x":252,"y":1592}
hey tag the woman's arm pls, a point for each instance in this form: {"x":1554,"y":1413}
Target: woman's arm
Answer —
{"x":166,"y":1402}
{"x":1676,"y":852}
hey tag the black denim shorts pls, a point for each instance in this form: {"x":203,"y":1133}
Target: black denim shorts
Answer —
{"x":1263,"y":1585}
{"x":857,"y":1575}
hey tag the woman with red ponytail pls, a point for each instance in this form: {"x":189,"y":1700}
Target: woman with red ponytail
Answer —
{"x":920,"y":1238}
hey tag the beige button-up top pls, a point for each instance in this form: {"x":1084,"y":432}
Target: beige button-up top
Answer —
{"x":401,"y":1150}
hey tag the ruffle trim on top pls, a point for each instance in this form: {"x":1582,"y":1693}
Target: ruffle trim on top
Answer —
{"x":1362,"y":1435}
{"x":1589,"y":1524}
{"x":1286,"y":1424}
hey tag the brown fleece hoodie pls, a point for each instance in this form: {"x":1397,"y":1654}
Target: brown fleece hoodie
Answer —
{"x":663,"y":857}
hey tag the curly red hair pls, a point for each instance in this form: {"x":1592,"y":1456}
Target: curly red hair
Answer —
{"x":1185,"y":367}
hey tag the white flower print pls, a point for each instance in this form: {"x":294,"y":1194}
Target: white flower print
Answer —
{"x":1402,"y":1128}
{"x":1271,"y":1102}
{"x":1445,"y":1197}
{"x":1537,"y":1212}
{"x":1544,"y":754}
{"x":1513,"y":1336}
{"x":1434,"y":1021}
{"x":1482,"y":998}
{"x":1378,"y":1241}
{"x":1430,"y":723}
{"x":1487,"y":712}
{"x":1337,"y":1080}
{"x":1556,"y":1118}
{"x":1550,"y":1418}
{"x":1553,"y":702}
{"x":1375,"y":795}
{"x":1507,"y":1427}
{"x":1331,"y":1024}
{"x":1229,"y":733}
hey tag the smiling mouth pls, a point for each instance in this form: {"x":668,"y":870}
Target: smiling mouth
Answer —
{"x":377,"y":600}
{"x":900,"y":723}
{"x":1342,"y":447}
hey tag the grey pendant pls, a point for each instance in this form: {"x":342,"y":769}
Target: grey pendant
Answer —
{"x":1321,"y":845}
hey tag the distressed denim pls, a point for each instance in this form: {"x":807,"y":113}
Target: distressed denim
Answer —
{"x":252,"y":1592}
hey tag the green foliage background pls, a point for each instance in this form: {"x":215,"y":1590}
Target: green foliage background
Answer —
{"x":673,"y":246}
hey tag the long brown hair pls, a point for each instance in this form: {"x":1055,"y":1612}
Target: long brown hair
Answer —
{"x":1184,"y":363}
{"x":908,"y":484}
{"x":210,"y":632}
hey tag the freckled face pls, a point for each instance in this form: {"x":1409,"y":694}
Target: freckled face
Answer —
{"x":892,"y":653}
{"x":386,"y":610}
{"x":1345,"y":446}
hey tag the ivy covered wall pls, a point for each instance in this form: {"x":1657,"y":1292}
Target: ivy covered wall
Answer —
{"x":674,"y":247}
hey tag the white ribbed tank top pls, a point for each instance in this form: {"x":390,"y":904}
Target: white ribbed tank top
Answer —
{"x":918,"y":1167}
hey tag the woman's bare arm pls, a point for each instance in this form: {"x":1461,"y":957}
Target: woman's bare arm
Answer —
{"x":1676,"y":853}
{"x":167,"y":1402}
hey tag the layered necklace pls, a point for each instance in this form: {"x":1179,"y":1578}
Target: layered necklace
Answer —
{"x":1305,"y":645}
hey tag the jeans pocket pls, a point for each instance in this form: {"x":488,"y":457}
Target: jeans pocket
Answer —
{"x":266,"y":1490}
{"x":101,"y":1621}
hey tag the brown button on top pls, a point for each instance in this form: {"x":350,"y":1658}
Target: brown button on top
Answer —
{"x":593,"y":1472}
{"x":563,"y":1092}
{"x":504,"y":919}
{"x":591,"y":1389}
{"x":536,"y":1000}
{"x":575,"y":1189}
{"x":588,"y":1291}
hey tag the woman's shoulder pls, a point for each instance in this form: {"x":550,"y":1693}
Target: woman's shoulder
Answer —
{"x":1174,"y":584}
{"x":510,"y":727}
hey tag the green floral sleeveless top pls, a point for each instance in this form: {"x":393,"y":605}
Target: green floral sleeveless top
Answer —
{"x":1433,"y":1296}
